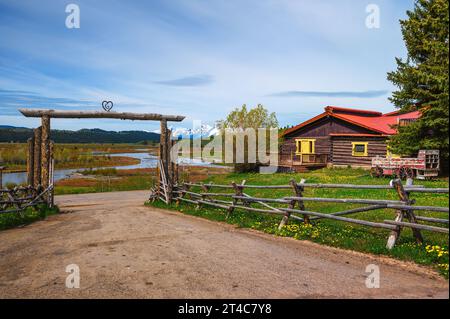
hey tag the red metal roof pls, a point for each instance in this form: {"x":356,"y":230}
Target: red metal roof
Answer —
{"x":338,"y":109}
{"x":357,"y":135}
{"x":371,"y":120}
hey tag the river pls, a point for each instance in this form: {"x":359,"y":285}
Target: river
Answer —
{"x":146,"y":161}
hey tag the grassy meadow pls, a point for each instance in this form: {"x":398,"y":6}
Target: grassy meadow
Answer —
{"x":111,"y":179}
{"x":433,"y":252}
{"x":14,"y":155}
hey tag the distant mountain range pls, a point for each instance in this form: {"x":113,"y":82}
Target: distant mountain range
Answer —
{"x":204,"y":131}
{"x":21,"y":134}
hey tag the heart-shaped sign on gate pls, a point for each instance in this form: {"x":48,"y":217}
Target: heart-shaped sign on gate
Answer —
{"x":107,"y":105}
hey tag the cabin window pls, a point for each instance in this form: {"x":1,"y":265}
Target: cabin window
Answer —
{"x":305,"y":146}
{"x":359,"y":148}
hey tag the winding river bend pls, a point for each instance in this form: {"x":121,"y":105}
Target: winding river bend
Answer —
{"x":146,"y":161}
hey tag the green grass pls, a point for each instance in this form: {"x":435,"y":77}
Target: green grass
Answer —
{"x":31,"y":214}
{"x":112,"y":171}
{"x":331,"y":232}
{"x":115,"y":184}
{"x":14,"y":155}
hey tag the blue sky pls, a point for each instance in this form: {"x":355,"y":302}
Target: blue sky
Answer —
{"x":199,"y":58}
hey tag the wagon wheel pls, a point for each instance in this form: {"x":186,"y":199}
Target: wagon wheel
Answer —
{"x":405,"y":172}
{"x":376,"y":171}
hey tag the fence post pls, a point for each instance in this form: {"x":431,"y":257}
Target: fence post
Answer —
{"x":205,"y":189}
{"x":298,"y":191}
{"x":410,"y":213}
{"x":238,"y":190}
{"x":404,"y":197}
{"x":286,"y":216}
{"x":183,"y":191}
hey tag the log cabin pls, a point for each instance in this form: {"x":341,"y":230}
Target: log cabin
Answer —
{"x":340,"y":137}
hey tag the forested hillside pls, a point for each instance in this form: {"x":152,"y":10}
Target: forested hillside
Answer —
{"x":20,"y":135}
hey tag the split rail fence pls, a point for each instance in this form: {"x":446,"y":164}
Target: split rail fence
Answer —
{"x":294,"y":207}
{"x":17,"y":199}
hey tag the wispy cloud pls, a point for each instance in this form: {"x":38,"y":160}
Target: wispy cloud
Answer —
{"x":11,"y":100}
{"x":343,"y":94}
{"x":185,"y":57}
{"x":196,"y":80}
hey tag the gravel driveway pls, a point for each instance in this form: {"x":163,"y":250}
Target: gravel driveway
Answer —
{"x":126,"y":250}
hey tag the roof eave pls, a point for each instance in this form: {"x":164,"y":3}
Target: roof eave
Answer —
{"x":324,"y":114}
{"x":303,"y":124}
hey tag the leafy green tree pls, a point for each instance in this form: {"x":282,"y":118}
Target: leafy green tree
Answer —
{"x":422,"y":79}
{"x":241,"y":118}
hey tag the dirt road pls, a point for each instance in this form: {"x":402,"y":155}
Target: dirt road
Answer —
{"x":124,"y":249}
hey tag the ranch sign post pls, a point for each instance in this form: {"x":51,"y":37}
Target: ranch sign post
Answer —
{"x":40,"y":162}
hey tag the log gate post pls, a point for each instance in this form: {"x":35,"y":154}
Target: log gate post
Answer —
{"x":166,"y":164}
{"x":1,"y":176}
{"x":30,"y":161}
{"x":40,"y":164}
{"x":37,"y":158}
{"x":45,"y":153}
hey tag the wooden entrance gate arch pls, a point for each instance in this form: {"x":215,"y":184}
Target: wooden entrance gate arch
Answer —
{"x":40,"y":147}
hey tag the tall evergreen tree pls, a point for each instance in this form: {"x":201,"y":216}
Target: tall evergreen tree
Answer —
{"x":422,"y":79}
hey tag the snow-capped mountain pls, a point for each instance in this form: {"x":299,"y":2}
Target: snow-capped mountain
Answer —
{"x":204,"y":131}
{"x":214,"y":132}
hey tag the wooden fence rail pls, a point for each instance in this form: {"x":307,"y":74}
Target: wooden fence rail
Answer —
{"x":18,"y":199}
{"x":404,"y":207}
{"x":411,"y":188}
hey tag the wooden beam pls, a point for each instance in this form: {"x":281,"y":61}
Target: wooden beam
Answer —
{"x":100,"y":114}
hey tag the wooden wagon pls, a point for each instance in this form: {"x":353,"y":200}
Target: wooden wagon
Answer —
{"x":425,"y":166}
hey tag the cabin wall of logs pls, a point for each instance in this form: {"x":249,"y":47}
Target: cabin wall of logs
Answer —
{"x":295,"y":207}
